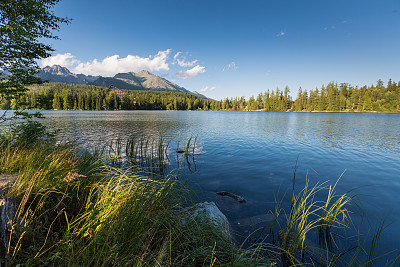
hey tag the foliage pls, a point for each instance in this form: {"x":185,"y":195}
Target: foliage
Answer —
{"x":307,"y":215}
{"x":62,"y":96}
{"x":78,"y":210}
{"x":327,"y":220}
{"x":345,"y":97}
{"x":23,"y":25}
{"x":28,"y":133}
{"x":333,"y":97}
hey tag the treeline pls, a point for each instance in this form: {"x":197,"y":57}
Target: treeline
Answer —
{"x":333,"y":97}
{"x":61,"y":96}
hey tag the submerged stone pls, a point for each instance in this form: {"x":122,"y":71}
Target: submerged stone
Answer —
{"x":235,"y":197}
{"x":209,"y":213}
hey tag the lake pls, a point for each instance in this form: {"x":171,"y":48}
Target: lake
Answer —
{"x":253,"y":154}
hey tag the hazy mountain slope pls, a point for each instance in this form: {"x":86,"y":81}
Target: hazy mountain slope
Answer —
{"x":121,"y":84}
{"x":145,"y":80}
{"x":142,"y":80}
{"x":60,"y":74}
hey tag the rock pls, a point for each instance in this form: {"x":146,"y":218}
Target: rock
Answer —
{"x":8,"y":208}
{"x":208,"y":212}
{"x":7,"y":212}
{"x":235,"y":197}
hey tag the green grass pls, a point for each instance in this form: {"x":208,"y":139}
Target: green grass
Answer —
{"x":76,"y":208}
{"x":309,"y":217}
{"x":150,"y":155}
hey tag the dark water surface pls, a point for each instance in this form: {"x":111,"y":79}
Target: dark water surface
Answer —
{"x":253,"y":154}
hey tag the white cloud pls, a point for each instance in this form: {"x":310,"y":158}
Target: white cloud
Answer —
{"x":115,"y":64}
{"x":232,"y":66}
{"x":282,"y":33}
{"x":177,"y":55}
{"x":182,"y":61}
{"x":111,"y":65}
{"x":191,"y":73}
{"x":205,"y":89}
{"x":64,"y":60}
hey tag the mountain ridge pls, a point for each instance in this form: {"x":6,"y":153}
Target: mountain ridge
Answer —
{"x":57,"y":73}
{"x":142,"y":80}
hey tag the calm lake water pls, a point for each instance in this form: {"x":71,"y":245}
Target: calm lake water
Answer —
{"x":253,"y":154}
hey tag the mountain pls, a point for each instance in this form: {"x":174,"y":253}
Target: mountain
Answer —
{"x":142,"y":80}
{"x":60,"y":74}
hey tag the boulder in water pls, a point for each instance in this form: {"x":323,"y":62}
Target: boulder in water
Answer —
{"x":235,"y":197}
{"x":209,"y":213}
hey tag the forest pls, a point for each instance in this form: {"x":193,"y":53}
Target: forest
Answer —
{"x":333,"y":97}
{"x":62,"y":96}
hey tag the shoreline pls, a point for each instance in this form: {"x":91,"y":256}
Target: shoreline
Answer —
{"x":288,"y":111}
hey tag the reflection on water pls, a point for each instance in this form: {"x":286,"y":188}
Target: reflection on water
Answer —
{"x":253,"y":153}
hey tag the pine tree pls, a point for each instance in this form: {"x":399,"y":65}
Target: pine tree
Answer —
{"x":57,"y":102}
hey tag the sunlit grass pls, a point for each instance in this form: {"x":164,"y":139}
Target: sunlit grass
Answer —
{"x":310,"y":216}
{"x":75,"y":209}
{"x":80,"y":208}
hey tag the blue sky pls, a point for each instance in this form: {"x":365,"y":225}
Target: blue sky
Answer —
{"x":234,"y":48}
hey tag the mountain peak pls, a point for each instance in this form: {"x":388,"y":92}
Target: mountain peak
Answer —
{"x":145,"y":72}
{"x":57,"y":73}
{"x":57,"y":70}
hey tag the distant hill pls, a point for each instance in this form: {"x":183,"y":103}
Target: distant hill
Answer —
{"x":142,"y":80}
{"x":60,"y":74}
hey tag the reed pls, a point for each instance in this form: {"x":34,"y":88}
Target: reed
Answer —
{"x":367,"y":254}
{"x":49,"y":181}
{"x":80,"y":208}
{"x":75,"y":215}
{"x":74,"y":208}
{"x":148,"y":154}
{"x":309,"y":217}
{"x":124,"y":215}
{"x":334,"y":214}
{"x":299,"y":222}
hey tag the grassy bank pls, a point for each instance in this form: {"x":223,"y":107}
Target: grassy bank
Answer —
{"x":75,"y":208}
{"x":71,"y":207}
